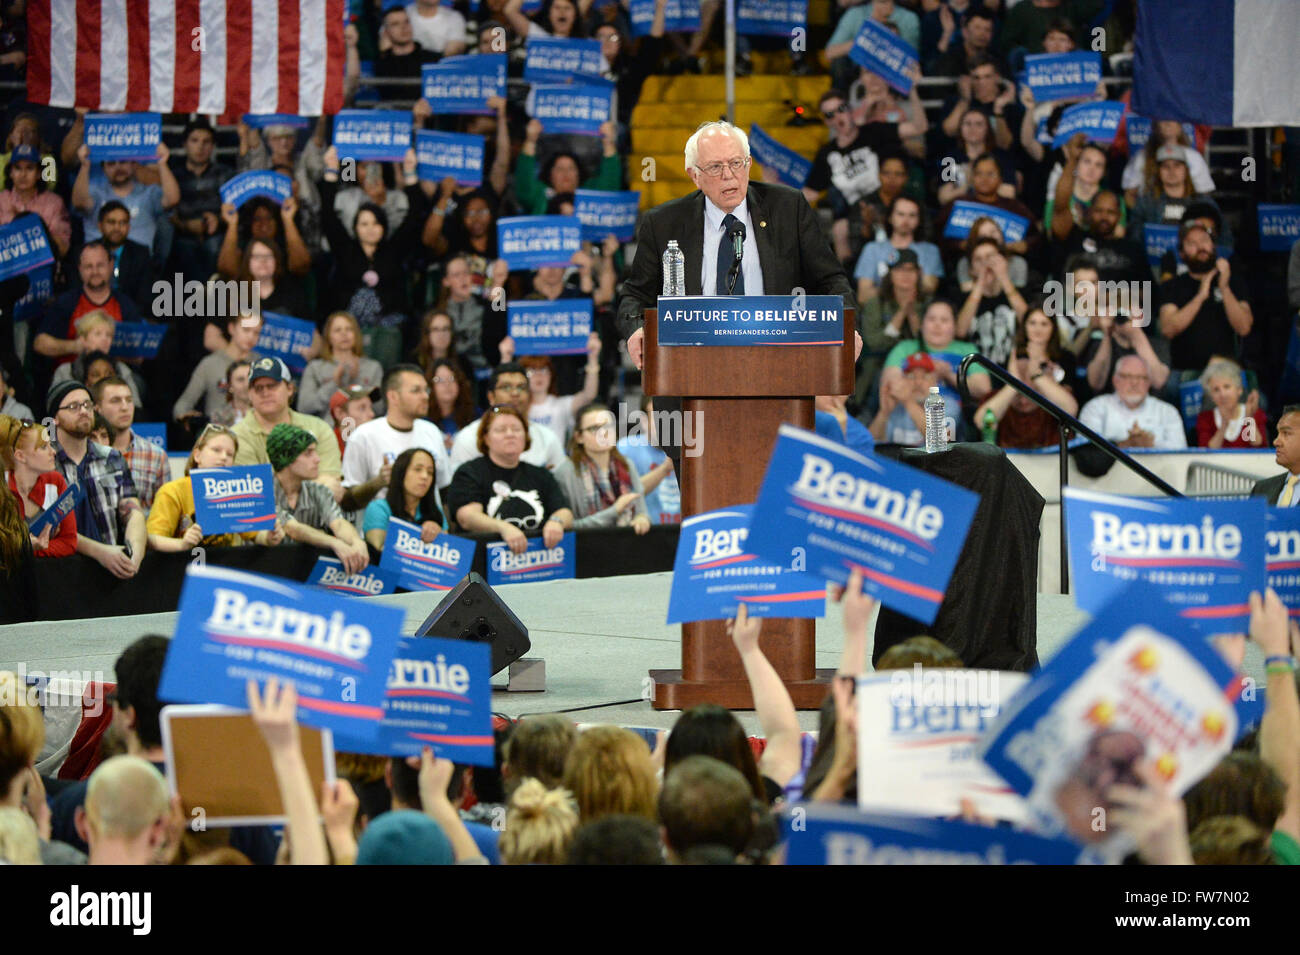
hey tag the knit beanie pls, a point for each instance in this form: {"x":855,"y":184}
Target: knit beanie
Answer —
{"x":285,"y":443}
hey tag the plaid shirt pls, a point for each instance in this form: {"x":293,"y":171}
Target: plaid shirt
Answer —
{"x":150,"y":469}
{"x":109,"y":491}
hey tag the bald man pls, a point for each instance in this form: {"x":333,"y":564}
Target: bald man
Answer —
{"x":124,"y":820}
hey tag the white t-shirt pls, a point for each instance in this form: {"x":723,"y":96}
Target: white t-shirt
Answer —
{"x":435,"y":32}
{"x":377,"y":443}
{"x":554,"y":412}
{"x":544,"y":449}
{"x":1113,"y":420}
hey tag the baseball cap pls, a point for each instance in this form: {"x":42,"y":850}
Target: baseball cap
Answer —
{"x":905,"y":257}
{"x":25,"y":153}
{"x":198,"y":122}
{"x":351,"y":393}
{"x":919,"y":360}
{"x":279,"y":130}
{"x":1171,"y":151}
{"x":269,"y":367}
{"x":404,"y":837}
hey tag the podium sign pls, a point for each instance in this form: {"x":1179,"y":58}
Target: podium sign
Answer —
{"x":731,"y":320}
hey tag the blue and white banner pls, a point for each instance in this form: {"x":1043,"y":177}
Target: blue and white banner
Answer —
{"x":603,"y":214}
{"x":886,"y":54}
{"x":1159,"y":239}
{"x":561,"y":327}
{"x":286,"y":338}
{"x":1137,"y":129}
{"x":1201,"y":557}
{"x":155,"y":432}
{"x":1217,"y":62}
{"x":831,"y":834}
{"x":1134,"y":684}
{"x":439,"y":695}
{"x":1099,"y":122}
{"x":714,"y":573}
{"x":964,"y":213}
{"x":902,"y":528}
{"x":1279,"y":227}
{"x":792,"y":168}
{"x":731,"y":320}
{"x":438,"y":565}
{"x":53,"y":515}
{"x":136,"y":339}
{"x":23,"y":246}
{"x":234,"y":627}
{"x":578,"y":109}
{"x":770,"y":17}
{"x":1282,"y":555}
{"x":530,"y":242}
{"x":371,"y":582}
{"x":1054,"y":76}
{"x":112,"y":136}
{"x":561,"y":60}
{"x":538,"y":562}
{"x":363,"y":134}
{"x":40,"y":289}
{"x":234,"y":500}
{"x":263,"y":120}
{"x":1191,"y":396}
{"x":680,"y":16}
{"x":458,"y":155}
{"x":463,"y":84}
{"x":275,"y":186}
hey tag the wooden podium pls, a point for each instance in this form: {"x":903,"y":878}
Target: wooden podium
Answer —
{"x":740,"y":397}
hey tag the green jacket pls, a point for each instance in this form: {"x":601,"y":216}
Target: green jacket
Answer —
{"x":530,"y":191}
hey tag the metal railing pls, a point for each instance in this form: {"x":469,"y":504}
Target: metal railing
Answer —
{"x":1065,"y":423}
{"x":1214,"y":480}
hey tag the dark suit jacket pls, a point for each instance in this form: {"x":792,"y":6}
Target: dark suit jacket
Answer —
{"x":792,"y":249}
{"x":1271,"y":488}
{"x":135,"y":274}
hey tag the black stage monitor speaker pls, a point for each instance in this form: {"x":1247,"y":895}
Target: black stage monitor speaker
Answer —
{"x":472,"y":611}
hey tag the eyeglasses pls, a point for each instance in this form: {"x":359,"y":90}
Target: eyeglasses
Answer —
{"x":598,"y":428}
{"x":77,"y":406}
{"x":714,"y":169}
{"x":477,"y":213}
{"x":511,"y":389}
{"x":831,"y":114}
{"x":443,"y":380}
{"x":217,"y":428}
{"x":537,"y":371}
{"x":1127,"y":377}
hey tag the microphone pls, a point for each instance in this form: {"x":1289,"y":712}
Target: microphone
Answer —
{"x":737,"y":233}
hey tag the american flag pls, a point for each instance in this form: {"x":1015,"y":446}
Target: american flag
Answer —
{"x":187,"y":56}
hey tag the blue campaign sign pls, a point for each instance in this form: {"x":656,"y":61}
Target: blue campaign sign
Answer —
{"x":603,"y":214}
{"x":286,"y":338}
{"x":1202,"y":557}
{"x":530,"y":242}
{"x":561,"y":327}
{"x":275,"y":186}
{"x":136,"y":339}
{"x":770,"y":17}
{"x":1054,"y":76}
{"x":383,"y":134}
{"x":578,"y":109}
{"x":538,"y":562}
{"x":964,"y":213}
{"x":1138,"y":131}
{"x":371,"y":582}
{"x":902,"y":528}
{"x":561,"y":60}
{"x":458,"y":155}
{"x":1191,"y":395}
{"x":732,"y":320}
{"x":886,"y":54}
{"x":40,"y":289}
{"x":792,"y":168}
{"x":438,"y":565}
{"x":832,"y":834}
{"x":23,"y":247}
{"x":1134,"y":683}
{"x":1099,"y":122}
{"x":56,"y":512}
{"x":263,"y":120}
{"x":714,"y":572}
{"x":234,"y":500}
{"x":153,"y":432}
{"x":234,"y":627}
{"x":438,"y":694}
{"x":1158,"y":240}
{"x":463,"y":84}
{"x":1279,"y":227}
{"x":680,"y":16}
{"x":1282,"y":554}
{"x":123,"y":136}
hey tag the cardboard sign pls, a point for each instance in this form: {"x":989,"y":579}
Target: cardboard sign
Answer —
{"x":964,"y":213}
{"x":263,"y":120}
{"x":234,"y":500}
{"x":770,"y":17}
{"x":1138,"y":131}
{"x":886,"y":54}
{"x":1279,"y":227}
{"x":1099,"y":122}
{"x":438,"y":565}
{"x":155,"y":432}
{"x":136,"y":340}
{"x":23,"y":247}
{"x":365,"y":134}
{"x":530,"y":242}
{"x":1191,"y":397}
{"x":680,"y":16}
{"x":790,"y":167}
{"x":731,"y":320}
{"x":603,"y":214}
{"x":53,"y":515}
{"x":40,"y":289}
{"x":371,"y":582}
{"x":458,"y":155}
{"x":111,"y":136}
{"x":1055,"y":76}
{"x":902,"y":528}
{"x":286,"y":338}
{"x":275,"y":186}
{"x":1282,"y":555}
{"x":538,"y":562}
{"x":577,"y":109}
{"x":561,"y":327}
{"x":551,"y":59}
{"x":1158,"y":240}
{"x":438,"y":695}
{"x":1202,"y":557}
{"x":463,"y":84}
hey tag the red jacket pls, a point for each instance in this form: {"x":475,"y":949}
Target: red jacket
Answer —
{"x":63,"y":543}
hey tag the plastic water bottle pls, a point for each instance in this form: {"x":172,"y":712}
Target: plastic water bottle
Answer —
{"x":674,"y":270}
{"x":990,"y":426}
{"x":936,"y":428}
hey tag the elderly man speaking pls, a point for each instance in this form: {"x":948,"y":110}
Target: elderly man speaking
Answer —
{"x":784,"y":246}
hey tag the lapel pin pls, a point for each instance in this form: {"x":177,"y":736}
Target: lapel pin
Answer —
{"x":762,"y":225}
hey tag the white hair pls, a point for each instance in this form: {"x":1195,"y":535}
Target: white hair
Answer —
{"x":693,"y":144}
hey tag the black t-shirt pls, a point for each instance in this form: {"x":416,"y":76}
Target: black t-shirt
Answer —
{"x":994,"y":328}
{"x":1118,"y":260}
{"x":854,"y":169}
{"x":1210,"y":333}
{"x":524,"y":496}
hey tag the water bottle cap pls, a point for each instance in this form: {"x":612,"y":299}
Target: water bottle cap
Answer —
{"x":934,"y":389}
{"x":672,"y":243}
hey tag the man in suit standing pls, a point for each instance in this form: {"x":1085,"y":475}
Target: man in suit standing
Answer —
{"x":784,"y":247}
{"x":1282,"y":490}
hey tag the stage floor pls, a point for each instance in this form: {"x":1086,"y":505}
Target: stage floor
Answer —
{"x":598,"y":636}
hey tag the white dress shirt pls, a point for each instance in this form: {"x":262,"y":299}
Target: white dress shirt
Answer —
{"x":1113,"y":420}
{"x":750,"y":267}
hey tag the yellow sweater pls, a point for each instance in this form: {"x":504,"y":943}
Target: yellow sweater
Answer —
{"x":173,"y":513}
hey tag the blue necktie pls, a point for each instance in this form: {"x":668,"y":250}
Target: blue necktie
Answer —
{"x":727,"y":256}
